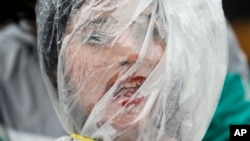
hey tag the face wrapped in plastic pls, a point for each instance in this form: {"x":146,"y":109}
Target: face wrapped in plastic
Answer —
{"x":129,"y":70}
{"x":106,"y":63}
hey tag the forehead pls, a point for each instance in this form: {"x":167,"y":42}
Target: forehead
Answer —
{"x":124,"y":12}
{"x":109,"y":24}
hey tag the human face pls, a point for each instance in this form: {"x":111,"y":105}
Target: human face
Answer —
{"x":95,"y":61}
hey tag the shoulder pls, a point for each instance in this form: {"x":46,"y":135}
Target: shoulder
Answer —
{"x":14,"y":45}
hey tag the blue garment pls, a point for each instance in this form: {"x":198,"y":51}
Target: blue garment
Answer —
{"x":233,"y":108}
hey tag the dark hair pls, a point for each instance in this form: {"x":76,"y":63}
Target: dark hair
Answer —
{"x":52,"y":19}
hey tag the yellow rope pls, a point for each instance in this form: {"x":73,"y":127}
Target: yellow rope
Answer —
{"x":81,"y":138}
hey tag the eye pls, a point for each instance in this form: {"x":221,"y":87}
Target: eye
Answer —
{"x":95,"y":38}
{"x":98,"y":38}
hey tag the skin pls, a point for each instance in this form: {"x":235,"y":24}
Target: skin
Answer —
{"x":94,"y":67}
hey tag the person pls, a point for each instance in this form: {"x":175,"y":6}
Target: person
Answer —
{"x":132,"y":70}
{"x":25,"y":108}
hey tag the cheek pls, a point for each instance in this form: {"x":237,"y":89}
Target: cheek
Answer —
{"x":79,"y":68}
{"x":90,"y":70}
{"x":88,"y":102}
{"x":84,"y":61}
{"x":152,"y":58}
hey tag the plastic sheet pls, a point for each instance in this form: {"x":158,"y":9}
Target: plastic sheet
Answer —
{"x":138,"y":70}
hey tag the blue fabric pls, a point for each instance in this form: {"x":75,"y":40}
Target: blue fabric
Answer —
{"x":233,"y":108}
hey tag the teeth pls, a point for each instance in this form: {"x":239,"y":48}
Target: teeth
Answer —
{"x":132,"y":84}
{"x":129,"y":85}
{"x":139,"y":83}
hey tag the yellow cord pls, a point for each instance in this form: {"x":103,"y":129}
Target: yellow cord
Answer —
{"x":81,"y":138}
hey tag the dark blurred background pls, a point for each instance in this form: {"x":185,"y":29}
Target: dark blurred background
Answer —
{"x":13,"y":10}
{"x":237,"y":9}
{"x":238,"y":13}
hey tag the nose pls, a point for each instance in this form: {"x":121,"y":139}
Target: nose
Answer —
{"x":129,"y":60}
{"x":132,"y":58}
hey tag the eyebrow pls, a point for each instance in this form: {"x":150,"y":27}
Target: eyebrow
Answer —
{"x":98,"y":20}
{"x":104,"y":19}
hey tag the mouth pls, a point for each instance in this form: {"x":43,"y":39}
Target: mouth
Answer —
{"x":127,"y":89}
{"x":124,"y":96}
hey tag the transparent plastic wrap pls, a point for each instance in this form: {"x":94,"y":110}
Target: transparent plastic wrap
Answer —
{"x":133,"y":70}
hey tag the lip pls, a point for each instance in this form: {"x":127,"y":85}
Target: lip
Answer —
{"x":127,"y":89}
{"x":134,"y":102}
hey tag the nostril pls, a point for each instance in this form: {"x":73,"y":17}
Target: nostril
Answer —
{"x":131,"y":59}
{"x":123,"y":63}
